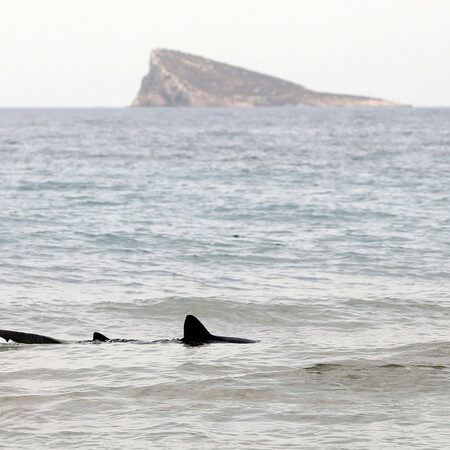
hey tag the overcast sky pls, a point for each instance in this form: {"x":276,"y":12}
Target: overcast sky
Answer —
{"x":95,"y":52}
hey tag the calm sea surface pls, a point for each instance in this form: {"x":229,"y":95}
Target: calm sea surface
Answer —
{"x":323,"y":233}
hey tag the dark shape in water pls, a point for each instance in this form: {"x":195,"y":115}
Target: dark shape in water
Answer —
{"x":100,"y":337}
{"x":195,"y":333}
{"x":27,"y":338}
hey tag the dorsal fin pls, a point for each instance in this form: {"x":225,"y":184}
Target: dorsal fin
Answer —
{"x":100,"y":337}
{"x":195,"y":331}
{"x":27,"y":338}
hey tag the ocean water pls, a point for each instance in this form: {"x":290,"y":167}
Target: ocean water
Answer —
{"x":324,"y":233}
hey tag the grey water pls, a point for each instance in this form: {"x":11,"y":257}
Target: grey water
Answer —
{"x":324,"y":233}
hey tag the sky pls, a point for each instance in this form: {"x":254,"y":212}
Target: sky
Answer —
{"x":94,"y":53}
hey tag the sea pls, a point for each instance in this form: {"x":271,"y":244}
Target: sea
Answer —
{"x":322,"y":233}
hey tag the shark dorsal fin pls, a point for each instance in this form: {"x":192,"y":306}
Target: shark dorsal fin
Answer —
{"x":99,"y":337}
{"x":195,"y":331}
{"x":27,"y":338}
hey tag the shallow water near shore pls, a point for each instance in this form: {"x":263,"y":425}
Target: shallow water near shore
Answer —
{"x":322,"y":233}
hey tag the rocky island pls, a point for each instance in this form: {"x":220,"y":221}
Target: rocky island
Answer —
{"x":181,"y":79}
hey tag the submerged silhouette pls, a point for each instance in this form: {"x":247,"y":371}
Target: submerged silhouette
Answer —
{"x":195,"y":333}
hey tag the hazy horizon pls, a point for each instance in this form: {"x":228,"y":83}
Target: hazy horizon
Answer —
{"x":84,"y":54}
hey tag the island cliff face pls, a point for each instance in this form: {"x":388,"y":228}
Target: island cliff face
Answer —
{"x":180,"y":79}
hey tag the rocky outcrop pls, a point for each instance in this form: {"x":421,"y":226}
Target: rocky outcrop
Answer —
{"x":180,"y":79}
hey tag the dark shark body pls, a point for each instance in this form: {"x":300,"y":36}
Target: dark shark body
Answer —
{"x":27,"y":338}
{"x":195,"y":333}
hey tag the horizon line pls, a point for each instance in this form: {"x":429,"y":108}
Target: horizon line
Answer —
{"x":208,"y":107}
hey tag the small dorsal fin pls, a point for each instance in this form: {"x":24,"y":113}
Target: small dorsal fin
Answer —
{"x":100,"y":337}
{"x":195,"y":331}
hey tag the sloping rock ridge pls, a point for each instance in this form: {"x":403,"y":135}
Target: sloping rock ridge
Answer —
{"x":181,"y":79}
